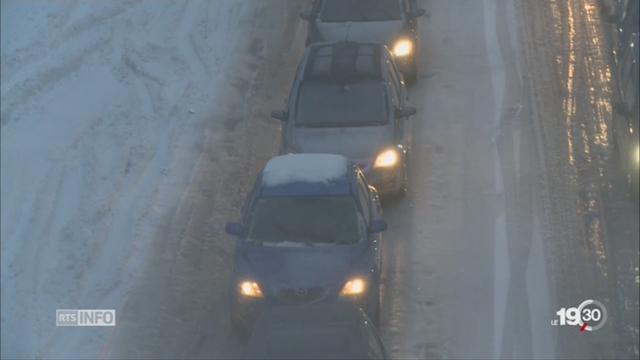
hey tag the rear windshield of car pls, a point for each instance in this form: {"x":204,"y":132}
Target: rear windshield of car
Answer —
{"x":322,"y":104}
{"x":305,"y":221}
{"x":360,"y":10}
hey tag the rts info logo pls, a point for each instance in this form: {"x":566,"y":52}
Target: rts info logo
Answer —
{"x":86,"y":317}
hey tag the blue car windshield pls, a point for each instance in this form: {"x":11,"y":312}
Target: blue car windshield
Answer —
{"x":305,"y":221}
{"x":360,"y":10}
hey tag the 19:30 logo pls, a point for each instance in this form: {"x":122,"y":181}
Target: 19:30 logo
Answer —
{"x":590,"y":315}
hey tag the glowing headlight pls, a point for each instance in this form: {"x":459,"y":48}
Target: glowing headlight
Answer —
{"x":403,"y":47}
{"x":250,"y":289}
{"x":355,"y":286}
{"x":637,"y":156}
{"x":386,"y":158}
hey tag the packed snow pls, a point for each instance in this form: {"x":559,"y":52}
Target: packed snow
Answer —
{"x":102,"y":112}
{"x":309,"y":168}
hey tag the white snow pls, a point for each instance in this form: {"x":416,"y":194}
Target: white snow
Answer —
{"x":101,"y":112}
{"x":310,"y":168}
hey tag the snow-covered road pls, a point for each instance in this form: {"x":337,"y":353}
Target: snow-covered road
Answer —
{"x":118,"y":119}
{"x":131,"y":131}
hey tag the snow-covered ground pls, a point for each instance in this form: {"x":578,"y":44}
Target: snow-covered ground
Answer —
{"x":106,"y":107}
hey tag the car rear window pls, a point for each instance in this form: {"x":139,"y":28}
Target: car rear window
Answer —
{"x":360,"y":10}
{"x":305,"y":221}
{"x":344,"y":63}
{"x":332,"y":105}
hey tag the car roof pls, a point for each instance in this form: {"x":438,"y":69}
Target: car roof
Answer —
{"x":343,"y":62}
{"x":306,"y":175}
{"x":327,"y":331}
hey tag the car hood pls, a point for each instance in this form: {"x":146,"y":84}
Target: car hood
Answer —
{"x":380,"y":32}
{"x":358,"y":144}
{"x":326,"y":266}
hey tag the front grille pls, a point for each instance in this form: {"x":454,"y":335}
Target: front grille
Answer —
{"x":301,"y":295}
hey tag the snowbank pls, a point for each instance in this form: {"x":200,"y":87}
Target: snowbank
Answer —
{"x":101,"y":106}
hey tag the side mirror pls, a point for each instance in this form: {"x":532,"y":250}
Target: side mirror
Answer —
{"x":405,"y":112}
{"x":417,"y":13}
{"x":377,"y":226}
{"x":306,"y":15}
{"x":279,"y":114}
{"x":233,"y":228}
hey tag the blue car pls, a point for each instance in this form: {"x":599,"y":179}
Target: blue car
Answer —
{"x":310,"y":234}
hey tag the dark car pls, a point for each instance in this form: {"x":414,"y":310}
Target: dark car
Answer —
{"x":389,"y":22}
{"x":615,"y":10}
{"x":310,"y":233}
{"x":338,"y":331}
{"x":349,"y":99}
{"x":627,"y":120}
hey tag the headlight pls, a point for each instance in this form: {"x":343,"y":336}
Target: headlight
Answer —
{"x":355,"y":286}
{"x":387,"y":158}
{"x":250,"y":289}
{"x":403,"y":47}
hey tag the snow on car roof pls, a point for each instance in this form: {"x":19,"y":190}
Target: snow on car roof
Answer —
{"x":309,"y":168}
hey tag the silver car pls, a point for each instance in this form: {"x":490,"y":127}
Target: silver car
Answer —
{"x":350,"y":99}
{"x":389,"y":22}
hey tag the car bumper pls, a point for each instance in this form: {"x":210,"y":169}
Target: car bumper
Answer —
{"x":245,"y":312}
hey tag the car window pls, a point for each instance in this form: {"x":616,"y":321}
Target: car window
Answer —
{"x":363,"y":195}
{"x":395,"y":85}
{"x":330,"y":105}
{"x":343,"y":63}
{"x":397,"y":74}
{"x":360,"y":10}
{"x":305,"y":221}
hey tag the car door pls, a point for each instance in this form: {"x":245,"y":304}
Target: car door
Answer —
{"x":371,"y":212}
{"x":398,"y":100}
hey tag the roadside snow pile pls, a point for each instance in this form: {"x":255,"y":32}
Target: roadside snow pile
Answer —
{"x":101,"y":106}
{"x":310,"y":168}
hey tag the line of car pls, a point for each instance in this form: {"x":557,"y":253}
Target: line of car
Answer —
{"x":625,"y":16}
{"x":308,"y":259}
